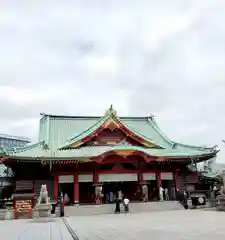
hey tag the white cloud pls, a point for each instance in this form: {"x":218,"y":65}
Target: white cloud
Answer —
{"x":27,"y":96}
{"x":78,"y":57}
{"x":102,"y":64}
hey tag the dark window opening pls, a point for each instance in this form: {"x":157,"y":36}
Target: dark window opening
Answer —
{"x":128,"y":166}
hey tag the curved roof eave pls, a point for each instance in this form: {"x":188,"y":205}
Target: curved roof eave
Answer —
{"x":153,"y":123}
{"x":156,"y":126}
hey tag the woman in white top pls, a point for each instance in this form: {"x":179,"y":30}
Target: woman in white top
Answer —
{"x":126,"y":204}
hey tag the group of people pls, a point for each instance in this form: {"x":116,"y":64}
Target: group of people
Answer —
{"x":163,"y":194}
{"x":121,"y":201}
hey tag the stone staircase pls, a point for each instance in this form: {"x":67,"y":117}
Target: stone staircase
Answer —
{"x":134,"y":208}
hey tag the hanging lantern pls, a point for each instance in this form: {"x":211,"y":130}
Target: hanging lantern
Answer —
{"x":44,"y":162}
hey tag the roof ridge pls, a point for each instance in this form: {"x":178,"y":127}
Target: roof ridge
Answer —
{"x":140,"y":134}
{"x":86,"y":130}
{"x":154,"y":124}
{"x":88,"y":117}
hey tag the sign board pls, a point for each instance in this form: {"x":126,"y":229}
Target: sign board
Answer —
{"x":23,"y":208}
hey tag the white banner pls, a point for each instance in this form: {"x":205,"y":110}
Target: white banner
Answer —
{"x":85,"y":178}
{"x":167,"y":176}
{"x":66,"y":179}
{"x":149,"y":176}
{"x":123,"y":177}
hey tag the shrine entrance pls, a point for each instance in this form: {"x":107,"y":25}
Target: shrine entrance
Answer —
{"x":168,"y":185}
{"x":128,"y":189}
{"x":125,"y":182}
{"x":86,"y":189}
{"x":67,"y":188}
{"x":86,"y":193}
{"x":152,"y":190}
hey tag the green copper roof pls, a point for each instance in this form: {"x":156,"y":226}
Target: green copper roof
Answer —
{"x":57,"y":131}
{"x":86,"y":152}
{"x":210,"y":175}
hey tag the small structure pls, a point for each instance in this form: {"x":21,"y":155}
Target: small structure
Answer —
{"x":43,"y":207}
{"x":23,"y":205}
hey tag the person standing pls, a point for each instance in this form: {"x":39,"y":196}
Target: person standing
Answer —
{"x":117,"y":209}
{"x":145,"y":193}
{"x":120,"y":195}
{"x":166,"y":194}
{"x":66,"y":199}
{"x":185,"y":201}
{"x":126,"y":204}
{"x":111,"y":196}
{"x":161,"y":193}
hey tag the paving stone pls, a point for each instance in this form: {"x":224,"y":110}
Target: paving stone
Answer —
{"x":40,"y":229}
{"x":188,"y":225}
{"x":174,"y":225}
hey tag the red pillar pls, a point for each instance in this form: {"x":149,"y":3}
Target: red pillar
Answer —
{"x":177,"y":179}
{"x":76,"y":188}
{"x":95,"y":178}
{"x":158,"y":179}
{"x":140,"y":177}
{"x":56,"y":187}
{"x":141,"y":183}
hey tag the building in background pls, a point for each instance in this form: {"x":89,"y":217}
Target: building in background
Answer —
{"x":7,"y":141}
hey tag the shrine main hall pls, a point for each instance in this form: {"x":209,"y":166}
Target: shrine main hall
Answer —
{"x":77,"y":154}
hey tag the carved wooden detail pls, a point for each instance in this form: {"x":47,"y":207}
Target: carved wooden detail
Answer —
{"x":111,"y":137}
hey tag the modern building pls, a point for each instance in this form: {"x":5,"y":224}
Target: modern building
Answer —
{"x":92,"y":157}
{"x":8,"y":141}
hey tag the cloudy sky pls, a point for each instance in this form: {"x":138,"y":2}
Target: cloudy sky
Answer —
{"x":73,"y":57}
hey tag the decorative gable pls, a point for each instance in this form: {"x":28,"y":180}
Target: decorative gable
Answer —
{"x":117,"y":132}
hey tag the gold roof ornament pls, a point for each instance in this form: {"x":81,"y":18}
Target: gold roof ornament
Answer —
{"x":111,"y":112}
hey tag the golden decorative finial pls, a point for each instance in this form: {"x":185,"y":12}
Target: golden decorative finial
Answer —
{"x":111,"y":111}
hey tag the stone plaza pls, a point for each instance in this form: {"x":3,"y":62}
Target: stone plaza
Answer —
{"x":183,"y":224}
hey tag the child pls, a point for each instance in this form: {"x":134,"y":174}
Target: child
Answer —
{"x":126,"y":204}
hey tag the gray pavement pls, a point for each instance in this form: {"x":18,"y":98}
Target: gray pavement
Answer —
{"x":44,"y":229}
{"x":189,"y":224}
